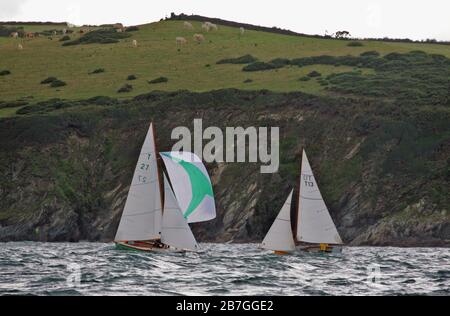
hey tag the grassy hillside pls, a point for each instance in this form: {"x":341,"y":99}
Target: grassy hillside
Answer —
{"x":192,"y":66}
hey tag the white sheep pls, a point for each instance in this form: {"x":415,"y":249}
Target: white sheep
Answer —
{"x":135,"y":43}
{"x":20,"y":47}
{"x":199,"y":38}
{"x":206,"y":26}
{"x":188,"y":25}
{"x":181,"y":40}
{"x":241,"y":30}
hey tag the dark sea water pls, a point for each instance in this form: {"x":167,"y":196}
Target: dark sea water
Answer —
{"x":220,"y":269}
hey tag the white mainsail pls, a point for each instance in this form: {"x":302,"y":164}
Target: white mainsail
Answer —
{"x":175,"y":229}
{"x":279,"y":236}
{"x":314,"y":223}
{"x":141,"y":217}
{"x":191,"y":185}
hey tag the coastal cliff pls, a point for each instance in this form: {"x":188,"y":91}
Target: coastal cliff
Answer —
{"x":384,"y":171}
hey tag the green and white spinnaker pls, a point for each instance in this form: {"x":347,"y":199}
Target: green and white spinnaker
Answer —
{"x":191,"y":185}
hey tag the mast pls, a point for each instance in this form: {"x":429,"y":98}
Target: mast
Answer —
{"x":158,"y":168}
{"x":295,"y":207}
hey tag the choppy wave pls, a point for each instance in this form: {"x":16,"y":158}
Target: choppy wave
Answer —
{"x":220,"y":269}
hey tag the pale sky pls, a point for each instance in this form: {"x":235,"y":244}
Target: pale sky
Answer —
{"x":415,"y":19}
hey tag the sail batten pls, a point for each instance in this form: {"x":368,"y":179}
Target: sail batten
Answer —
{"x":280,"y":237}
{"x":141,"y":217}
{"x":314,"y":223}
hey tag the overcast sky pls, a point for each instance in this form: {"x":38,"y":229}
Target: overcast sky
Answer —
{"x":416,"y":19}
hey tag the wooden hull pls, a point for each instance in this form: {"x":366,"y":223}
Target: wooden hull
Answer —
{"x":146,"y":247}
{"x":319,"y":249}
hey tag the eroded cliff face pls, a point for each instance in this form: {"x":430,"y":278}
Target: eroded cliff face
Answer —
{"x":385,"y":176}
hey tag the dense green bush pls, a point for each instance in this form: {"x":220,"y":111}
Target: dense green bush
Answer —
{"x":131,"y":77}
{"x":100,"y":36}
{"x":305,"y":78}
{"x":125,"y":88}
{"x":314,"y":74}
{"x":280,"y":62}
{"x":246,"y":59}
{"x":132,"y":29}
{"x":260,"y":65}
{"x":57,"y":83}
{"x":5,"y":31}
{"x":48,"y":80}
{"x":248,"y":80}
{"x":5,"y":72}
{"x":64,"y":38}
{"x":97,"y":71}
{"x":12,"y":104}
{"x":158,"y":80}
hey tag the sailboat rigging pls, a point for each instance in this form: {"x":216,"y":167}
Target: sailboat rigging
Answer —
{"x":147,"y":223}
{"x":310,"y":227}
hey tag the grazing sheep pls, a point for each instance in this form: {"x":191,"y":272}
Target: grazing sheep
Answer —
{"x":241,"y":30}
{"x":20,"y":47}
{"x":206,"y":26}
{"x":14,"y":34}
{"x":181,"y":40}
{"x":29,"y":35}
{"x":64,"y":31}
{"x":213,"y":26}
{"x":199,"y":38}
{"x":188,"y":26}
{"x":54,"y":33}
{"x":135,"y":43}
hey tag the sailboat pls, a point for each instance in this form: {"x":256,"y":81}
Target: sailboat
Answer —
{"x":148,"y":224}
{"x":309,"y":227}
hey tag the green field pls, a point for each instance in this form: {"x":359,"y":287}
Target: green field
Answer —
{"x":158,"y":55}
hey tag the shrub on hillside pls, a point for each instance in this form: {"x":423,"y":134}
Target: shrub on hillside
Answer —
{"x":125,"y":88}
{"x":314,"y":74}
{"x":100,"y":36}
{"x":280,"y":62}
{"x":158,"y":80}
{"x":12,"y":104}
{"x":246,"y":59}
{"x":97,"y":71}
{"x":48,"y":80}
{"x":64,"y":38}
{"x":248,"y":80}
{"x":259,"y":66}
{"x":305,"y":78}
{"x":5,"y":72}
{"x":5,"y":31}
{"x":131,"y":77}
{"x":57,"y":83}
{"x":132,"y":29}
